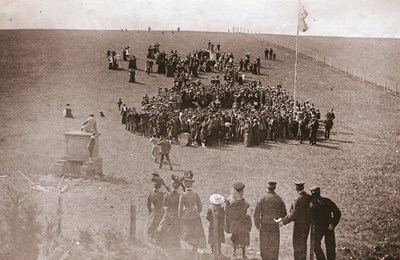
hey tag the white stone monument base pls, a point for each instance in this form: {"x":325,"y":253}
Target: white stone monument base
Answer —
{"x":75,"y":162}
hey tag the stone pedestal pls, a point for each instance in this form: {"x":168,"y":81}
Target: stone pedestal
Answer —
{"x":75,"y":162}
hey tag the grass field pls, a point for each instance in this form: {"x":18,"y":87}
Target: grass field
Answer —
{"x":42,"y":70}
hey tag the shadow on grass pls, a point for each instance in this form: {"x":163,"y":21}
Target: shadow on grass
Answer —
{"x":114,"y":180}
{"x":138,"y":83}
{"x":328,"y":147}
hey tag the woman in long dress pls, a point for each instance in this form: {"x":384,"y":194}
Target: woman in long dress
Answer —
{"x":155,"y":208}
{"x":189,"y":213}
{"x":168,"y":231}
{"x":237,"y":222}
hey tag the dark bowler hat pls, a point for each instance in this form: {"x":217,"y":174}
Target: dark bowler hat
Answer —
{"x":272,"y":183}
{"x":315,"y":189}
{"x":299,"y":184}
{"x":238,"y":186}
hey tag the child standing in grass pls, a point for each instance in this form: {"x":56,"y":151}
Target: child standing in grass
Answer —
{"x":216,"y":211}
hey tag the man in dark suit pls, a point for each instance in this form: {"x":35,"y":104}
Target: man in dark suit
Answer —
{"x":266,"y":53}
{"x":326,"y":216}
{"x":300,"y":214}
{"x":270,"y":209}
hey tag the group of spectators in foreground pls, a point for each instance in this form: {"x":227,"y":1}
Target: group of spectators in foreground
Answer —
{"x":175,"y":217}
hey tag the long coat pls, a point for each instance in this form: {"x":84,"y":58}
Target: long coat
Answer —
{"x":300,"y":213}
{"x":237,"y":221}
{"x":168,"y":231}
{"x":269,"y":207}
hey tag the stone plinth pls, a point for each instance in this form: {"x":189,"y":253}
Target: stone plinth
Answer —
{"x":75,"y":162}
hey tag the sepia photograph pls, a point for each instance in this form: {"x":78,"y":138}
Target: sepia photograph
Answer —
{"x":199,"y":130}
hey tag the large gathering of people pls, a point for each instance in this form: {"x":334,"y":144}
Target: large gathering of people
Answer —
{"x":228,"y":109}
{"x":174,"y":216}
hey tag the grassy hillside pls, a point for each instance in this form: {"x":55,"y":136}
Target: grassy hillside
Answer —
{"x":42,"y":70}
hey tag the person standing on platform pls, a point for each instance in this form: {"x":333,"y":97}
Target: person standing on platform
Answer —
{"x":270,"y":210}
{"x":89,"y":125}
{"x":300,"y":214}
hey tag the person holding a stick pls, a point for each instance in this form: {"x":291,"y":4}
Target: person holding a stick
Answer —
{"x":300,"y":214}
{"x":216,"y":218}
{"x":326,"y":216}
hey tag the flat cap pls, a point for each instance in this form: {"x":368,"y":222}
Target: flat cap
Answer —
{"x":238,"y":186}
{"x":315,"y":188}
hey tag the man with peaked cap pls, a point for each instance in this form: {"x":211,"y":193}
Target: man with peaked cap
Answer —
{"x":270,"y":209}
{"x":326,"y":216}
{"x":237,"y":222}
{"x":300,"y":214}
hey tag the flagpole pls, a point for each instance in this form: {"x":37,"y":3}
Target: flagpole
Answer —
{"x":295,"y":61}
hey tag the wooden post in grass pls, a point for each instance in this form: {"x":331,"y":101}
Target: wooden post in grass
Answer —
{"x":59,"y":215}
{"x":384,"y":84}
{"x":132,"y":224}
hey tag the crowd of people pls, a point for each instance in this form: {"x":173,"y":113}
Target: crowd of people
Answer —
{"x":174,"y":216}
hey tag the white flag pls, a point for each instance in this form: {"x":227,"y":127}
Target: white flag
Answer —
{"x":302,"y":25}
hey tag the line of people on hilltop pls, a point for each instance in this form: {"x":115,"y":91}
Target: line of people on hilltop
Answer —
{"x":174,"y":216}
{"x":269,"y":54}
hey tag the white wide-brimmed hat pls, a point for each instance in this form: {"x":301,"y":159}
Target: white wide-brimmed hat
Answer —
{"x":217,"y":199}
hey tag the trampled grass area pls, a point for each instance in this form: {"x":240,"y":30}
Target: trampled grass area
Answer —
{"x":43,"y":70}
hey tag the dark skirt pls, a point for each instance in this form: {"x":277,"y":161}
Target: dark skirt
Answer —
{"x":154,"y":221}
{"x":193,"y":232}
{"x":169,"y":231}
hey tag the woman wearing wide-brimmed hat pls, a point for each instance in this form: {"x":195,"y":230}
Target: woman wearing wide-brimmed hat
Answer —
{"x":216,"y":211}
{"x":189,"y":213}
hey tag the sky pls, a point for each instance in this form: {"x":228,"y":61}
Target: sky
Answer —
{"x":348,"y":18}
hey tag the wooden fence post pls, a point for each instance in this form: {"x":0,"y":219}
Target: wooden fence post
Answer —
{"x":132,"y":224}
{"x":59,"y":216}
{"x":384,"y":84}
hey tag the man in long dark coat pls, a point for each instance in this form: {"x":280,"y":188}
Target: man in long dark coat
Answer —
{"x":326,"y":216}
{"x":269,"y":210}
{"x":300,"y":214}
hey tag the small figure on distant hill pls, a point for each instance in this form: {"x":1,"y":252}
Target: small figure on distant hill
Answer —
{"x":271,"y":52}
{"x":274,"y":56}
{"x":132,"y":63}
{"x":102,"y":114}
{"x":266,"y":53}
{"x":216,"y":211}
{"x":313,"y":128}
{"x":67,"y":112}
{"x":90,"y":146}
{"x":328,"y":124}
{"x":149,"y":29}
{"x":119,"y":103}
{"x":218,"y":46}
{"x":179,"y":29}
{"x":326,"y":216}
{"x":132,"y":77}
{"x":89,"y":125}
